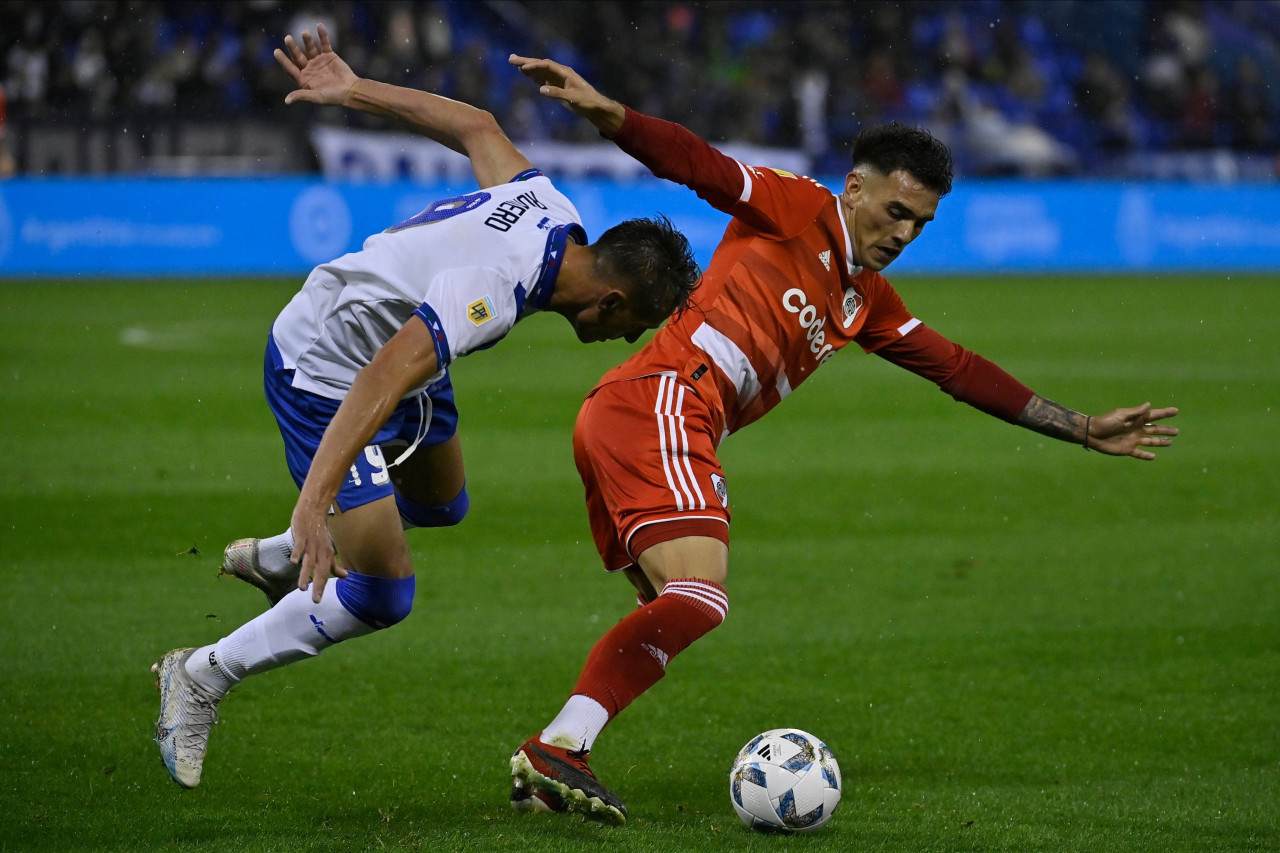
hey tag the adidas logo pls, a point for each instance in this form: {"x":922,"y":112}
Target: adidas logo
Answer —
{"x":658,"y":654}
{"x":825,"y":257}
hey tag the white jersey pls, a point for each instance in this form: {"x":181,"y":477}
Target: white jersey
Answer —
{"x":470,"y":267}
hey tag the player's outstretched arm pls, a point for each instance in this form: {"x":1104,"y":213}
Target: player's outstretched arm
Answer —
{"x":323,"y":77}
{"x":403,"y":363}
{"x":562,"y":83}
{"x":1120,"y":432}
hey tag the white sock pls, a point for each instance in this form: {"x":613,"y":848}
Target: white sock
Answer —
{"x":274,"y":551}
{"x":577,"y":725}
{"x":294,"y":629}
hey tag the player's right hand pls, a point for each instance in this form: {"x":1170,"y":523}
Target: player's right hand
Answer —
{"x":313,"y":550}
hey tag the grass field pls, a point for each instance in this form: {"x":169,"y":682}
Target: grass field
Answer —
{"x":1009,"y":643}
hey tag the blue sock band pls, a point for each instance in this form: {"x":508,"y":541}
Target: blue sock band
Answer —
{"x":377,"y":602}
{"x":421,"y":515}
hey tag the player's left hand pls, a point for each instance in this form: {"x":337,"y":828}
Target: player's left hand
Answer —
{"x":322,"y":76}
{"x":562,"y":83}
{"x":1126,"y":432}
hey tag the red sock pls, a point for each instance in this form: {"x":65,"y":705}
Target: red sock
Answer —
{"x":633,"y":655}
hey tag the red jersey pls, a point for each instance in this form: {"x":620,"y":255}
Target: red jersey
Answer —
{"x":782,"y":293}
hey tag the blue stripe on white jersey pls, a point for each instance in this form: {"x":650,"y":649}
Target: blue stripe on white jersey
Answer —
{"x":438,"y":336}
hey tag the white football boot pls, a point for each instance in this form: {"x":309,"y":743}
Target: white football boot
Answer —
{"x":240,"y":560}
{"x":187,"y":711}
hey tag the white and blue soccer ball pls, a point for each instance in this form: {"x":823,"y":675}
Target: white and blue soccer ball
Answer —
{"x":785,"y":780}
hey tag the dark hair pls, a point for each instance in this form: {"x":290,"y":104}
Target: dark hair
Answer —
{"x":656,"y":260}
{"x":893,"y":146}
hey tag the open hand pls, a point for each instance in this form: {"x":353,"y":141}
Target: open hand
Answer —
{"x":562,"y":83}
{"x":313,"y":549}
{"x":1125,"y":432}
{"x":322,"y":76}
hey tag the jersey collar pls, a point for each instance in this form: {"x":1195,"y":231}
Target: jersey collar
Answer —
{"x":853,"y":268}
{"x":552,"y":258}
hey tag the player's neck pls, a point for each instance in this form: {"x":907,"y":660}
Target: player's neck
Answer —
{"x":573,"y":284}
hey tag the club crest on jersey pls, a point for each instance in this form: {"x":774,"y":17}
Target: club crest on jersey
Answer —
{"x":722,"y":489}
{"x":480,"y":311}
{"x":852,"y":305}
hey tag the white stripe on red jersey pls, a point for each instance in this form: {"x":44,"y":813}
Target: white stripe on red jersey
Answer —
{"x":782,"y":292}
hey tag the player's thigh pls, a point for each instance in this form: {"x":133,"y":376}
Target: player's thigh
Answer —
{"x":370,"y":539}
{"x":701,"y":557}
{"x":433,"y":474}
{"x":646,"y":450}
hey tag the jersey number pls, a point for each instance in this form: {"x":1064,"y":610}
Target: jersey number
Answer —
{"x":443,"y":209}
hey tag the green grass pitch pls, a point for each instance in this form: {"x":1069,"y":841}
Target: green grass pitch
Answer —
{"x":1009,"y":643}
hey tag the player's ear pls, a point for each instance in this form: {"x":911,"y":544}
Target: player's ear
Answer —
{"x":853,"y":183}
{"x":613,"y":300}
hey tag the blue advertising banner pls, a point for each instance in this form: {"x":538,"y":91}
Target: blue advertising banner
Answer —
{"x":121,"y":227}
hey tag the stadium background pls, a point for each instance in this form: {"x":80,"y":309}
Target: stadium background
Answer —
{"x":1162,"y":118}
{"x":1010,"y":644}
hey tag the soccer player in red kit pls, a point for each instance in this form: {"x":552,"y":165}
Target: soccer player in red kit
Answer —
{"x":795,"y":278}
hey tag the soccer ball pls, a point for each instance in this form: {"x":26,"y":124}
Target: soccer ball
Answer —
{"x":785,"y":780}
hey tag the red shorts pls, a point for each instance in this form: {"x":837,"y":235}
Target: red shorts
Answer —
{"x":646,"y":451}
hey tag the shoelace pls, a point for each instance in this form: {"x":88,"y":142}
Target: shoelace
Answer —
{"x":579,"y":759}
{"x":199,"y":713}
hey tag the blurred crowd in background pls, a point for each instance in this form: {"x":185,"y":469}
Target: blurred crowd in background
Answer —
{"x":1039,"y":87}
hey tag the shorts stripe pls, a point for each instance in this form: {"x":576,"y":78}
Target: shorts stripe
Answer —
{"x":683,"y":459}
{"x":673,"y":446}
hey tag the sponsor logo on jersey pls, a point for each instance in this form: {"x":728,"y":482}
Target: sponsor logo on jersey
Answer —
{"x":783,"y":172}
{"x":480,"y":311}
{"x":721,"y":487}
{"x":825,"y":257}
{"x":795,"y":302}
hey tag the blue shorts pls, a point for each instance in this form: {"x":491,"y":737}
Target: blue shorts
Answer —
{"x":303,"y":417}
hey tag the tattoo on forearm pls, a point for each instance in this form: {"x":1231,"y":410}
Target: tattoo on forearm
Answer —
{"x":1048,"y":418}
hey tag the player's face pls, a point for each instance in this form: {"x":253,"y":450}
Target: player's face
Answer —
{"x":885,"y":213}
{"x":610,"y":320}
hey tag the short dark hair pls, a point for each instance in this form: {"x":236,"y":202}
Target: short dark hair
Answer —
{"x":656,"y":260}
{"x":893,"y":146}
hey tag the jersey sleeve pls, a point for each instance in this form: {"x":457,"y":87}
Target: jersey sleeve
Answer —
{"x":771,"y":201}
{"x":467,"y":310}
{"x":962,"y":373}
{"x":887,"y":319}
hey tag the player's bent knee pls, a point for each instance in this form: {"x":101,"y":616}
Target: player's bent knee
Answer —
{"x":375,"y":601}
{"x":415,"y":514}
{"x":708,"y":599}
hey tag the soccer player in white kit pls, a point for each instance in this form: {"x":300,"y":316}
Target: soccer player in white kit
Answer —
{"x":356,"y":370}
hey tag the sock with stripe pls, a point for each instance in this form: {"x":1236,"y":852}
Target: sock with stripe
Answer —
{"x":633,"y":656}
